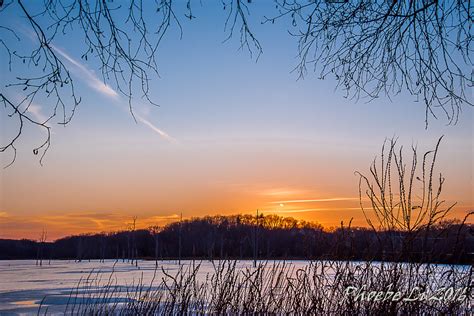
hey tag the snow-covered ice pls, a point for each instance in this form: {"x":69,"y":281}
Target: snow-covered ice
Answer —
{"x":23,"y":285}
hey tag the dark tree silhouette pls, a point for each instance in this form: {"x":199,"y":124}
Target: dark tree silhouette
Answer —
{"x":155,"y":232}
{"x":372,"y":48}
{"x":41,"y":248}
{"x":284,"y":238}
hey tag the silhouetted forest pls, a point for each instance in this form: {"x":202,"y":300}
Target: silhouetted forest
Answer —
{"x":249,"y":237}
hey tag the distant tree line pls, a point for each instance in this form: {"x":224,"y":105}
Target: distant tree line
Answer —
{"x":252,"y":237}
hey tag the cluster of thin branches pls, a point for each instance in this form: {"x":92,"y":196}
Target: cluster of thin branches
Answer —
{"x":123,"y":38}
{"x":376,"y":48}
{"x":317,"y":288}
{"x":122,"y":59}
{"x":404,"y":197}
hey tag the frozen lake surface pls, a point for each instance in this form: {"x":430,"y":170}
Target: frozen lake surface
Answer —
{"x":25,"y":286}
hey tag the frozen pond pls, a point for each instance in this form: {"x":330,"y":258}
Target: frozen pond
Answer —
{"x":24,"y":286}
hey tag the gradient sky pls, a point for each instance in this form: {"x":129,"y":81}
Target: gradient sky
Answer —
{"x":231,"y":135}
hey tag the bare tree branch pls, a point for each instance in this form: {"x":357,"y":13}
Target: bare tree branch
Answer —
{"x":375,"y":48}
{"x":403,"y":199}
{"x":125,"y":51}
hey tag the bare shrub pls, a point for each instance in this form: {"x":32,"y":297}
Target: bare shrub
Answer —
{"x":317,"y":288}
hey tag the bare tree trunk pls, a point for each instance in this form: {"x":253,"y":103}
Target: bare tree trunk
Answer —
{"x":179,"y":239}
{"x":79,"y":250}
{"x":155,"y":231}
{"x":255,"y":243}
{"x":240,"y":249}
{"x":222,"y":248}
{"x":42,"y":240}
{"x":117,"y":253}
{"x":156,"y":250}
{"x":128,"y":247}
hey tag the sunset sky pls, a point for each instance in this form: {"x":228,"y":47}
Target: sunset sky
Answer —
{"x":231,"y":135}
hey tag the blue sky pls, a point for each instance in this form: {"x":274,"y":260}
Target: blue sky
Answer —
{"x":229,"y":135}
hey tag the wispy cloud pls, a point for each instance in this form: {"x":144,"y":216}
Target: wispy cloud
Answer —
{"x":317,"y":200}
{"x":84,"y":73}
{"x":282,"y":192}
{"x":160,"y":132}
{"x":89,"y":76}
{"x":36,"y":111}
{"x":59,"y":225}
{"x":91,"y":79}
{"x":94,"y":82}
{"x":306,"y":210}
{"x":157,"y":218}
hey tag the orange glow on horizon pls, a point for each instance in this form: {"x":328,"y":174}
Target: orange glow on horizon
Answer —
{"x":60,"y":225}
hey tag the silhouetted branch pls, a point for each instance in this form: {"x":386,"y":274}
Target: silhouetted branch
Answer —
{"x":238,"y":15}
{"x":125,"y":51}
{"x":375,"y":48}
{"x":393,"y":196}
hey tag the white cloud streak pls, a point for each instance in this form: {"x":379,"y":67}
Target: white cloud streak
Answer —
{"x":160,"y":132}
{"x":88,"y":76}
{"x":35,"y":110}
{"x":318,"y":200}
{"x":317,"y":210}
{"x":94,"y":82}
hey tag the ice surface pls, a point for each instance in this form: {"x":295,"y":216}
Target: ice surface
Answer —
{"x":24,"y":286}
